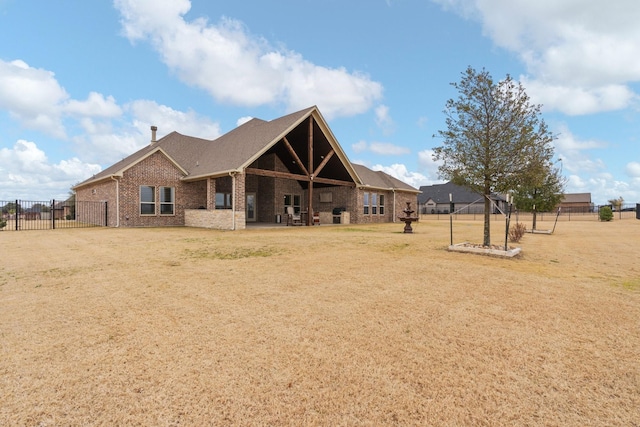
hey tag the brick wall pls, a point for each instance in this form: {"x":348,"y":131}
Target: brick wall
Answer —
{"x":103,"y":191}
{"x":221,"y":219}
{"x":158,"y":171}
{"x":401,"y":199}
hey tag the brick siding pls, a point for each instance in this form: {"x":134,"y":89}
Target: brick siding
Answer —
{"x":199,"y":197}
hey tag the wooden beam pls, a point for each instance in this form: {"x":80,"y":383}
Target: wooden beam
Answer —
{"x":295,"y":156}
{"x":276,"y":174}
{"x":330,"y":181}
{"x":298,"y":177}
{"x":324,"y":163}
{"x":310,"y":160}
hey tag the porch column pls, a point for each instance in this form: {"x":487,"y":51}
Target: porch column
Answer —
{"x":238,"y":202}
{"x":310,"y":169}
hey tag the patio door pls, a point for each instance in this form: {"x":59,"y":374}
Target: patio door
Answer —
{"x":250,"y":207}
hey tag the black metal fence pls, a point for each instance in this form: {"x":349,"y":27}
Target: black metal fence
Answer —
{"x":625,"y":211}
{"x":18,"y":215}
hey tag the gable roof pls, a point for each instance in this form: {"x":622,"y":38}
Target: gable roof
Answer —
{"x":199,"y":158}
{"x":439,"y":193}
{"x":238,"y":148}
{"x":381,"y":180}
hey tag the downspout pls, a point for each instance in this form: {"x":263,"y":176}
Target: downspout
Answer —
{"x":117,"y":201}
{"x":233,"y":200}
{"x":394,"y":204}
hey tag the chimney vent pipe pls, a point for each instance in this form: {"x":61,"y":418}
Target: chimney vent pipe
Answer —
{"x":153,"y":133}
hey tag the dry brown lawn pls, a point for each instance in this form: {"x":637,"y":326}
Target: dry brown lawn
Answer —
{"x":337,"y":325}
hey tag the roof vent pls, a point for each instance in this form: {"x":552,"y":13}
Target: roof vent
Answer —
{"x":153,"y":133}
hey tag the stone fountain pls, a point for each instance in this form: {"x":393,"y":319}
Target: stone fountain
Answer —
{"x":408,"y":219}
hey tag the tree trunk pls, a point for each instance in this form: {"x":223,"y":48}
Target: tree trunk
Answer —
{"x":487,"y":221}
{"x":534,"y":220}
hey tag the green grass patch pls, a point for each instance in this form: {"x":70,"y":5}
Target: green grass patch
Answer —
{"x":632,"y":285}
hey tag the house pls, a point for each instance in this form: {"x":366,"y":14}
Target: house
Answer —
{"x":437,"y":199}
{"x":250,"y":175}
{"x":576,"y":203}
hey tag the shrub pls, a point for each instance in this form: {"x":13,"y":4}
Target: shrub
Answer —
{"x":606,"y":214}
{"x":517,"y":231}
{"x":3,"y":223}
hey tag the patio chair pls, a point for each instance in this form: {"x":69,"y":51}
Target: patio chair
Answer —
{"x":292,"y":217}
{"x":316,"y":218}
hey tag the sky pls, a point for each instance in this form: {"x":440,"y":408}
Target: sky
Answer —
{"x":81,"y":82}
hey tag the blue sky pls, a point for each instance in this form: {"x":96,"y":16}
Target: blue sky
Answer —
{"x":82,"y":81}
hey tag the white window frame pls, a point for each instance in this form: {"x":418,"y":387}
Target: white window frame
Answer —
{"x":167,"y":203}
{"x":374,"y":203}
{"x":365,"y":203}
{"x":226,"y":201}
{"x":147,"y":202}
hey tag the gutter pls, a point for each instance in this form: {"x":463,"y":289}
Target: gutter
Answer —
{"x":233,"y":199}
{"x":394,"y":204}
{"x":117,"y":200}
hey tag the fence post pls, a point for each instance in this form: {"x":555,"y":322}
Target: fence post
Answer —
{"x":53,"y":214}
{"x":17,"y":214}
{"x":106,"y":214}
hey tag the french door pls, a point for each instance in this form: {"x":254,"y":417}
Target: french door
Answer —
{"x":250,"y":207}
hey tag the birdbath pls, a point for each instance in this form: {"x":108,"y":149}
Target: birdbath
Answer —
{"x":407,"y":218}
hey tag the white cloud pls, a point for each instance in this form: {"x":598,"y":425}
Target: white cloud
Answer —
{"x":633,"y":169}
{"x":167,"y":119}
{"x":603,"y":187}
{"x":32,"y":96}
{"x":384,"y":120}
{"x":575,"y":153}
{"x":107,"y":142}
{"x":236,"y":67}
{"x":388,"y":149}
{"x":243,"y":120}
{"x":359,"y":146}
{"x":96,"y":105}
{"x":428,"y":165}
{"x":572,"y":48}
{"x":30,"y":175}
{"x":400,"y":171}
{"x":108,"y":131}
{"x":422,"y":121}
{"x":575,"y":100}
{"x":382,"y":148}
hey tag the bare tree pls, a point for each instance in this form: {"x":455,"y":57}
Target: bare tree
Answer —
{"x":495,"y":139}
{"x":616,"y":203}
{"x":542,"y":194}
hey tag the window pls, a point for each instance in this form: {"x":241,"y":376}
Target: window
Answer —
{"x":365,"y":202}
{"x":293,"y":201}
{"x":374,"y":203}
{"x":147,"y":200}
{"x":381,"y":204}
{"x":296,"y":203}
{"x":167,"y":200}
{"x":223,"y":200}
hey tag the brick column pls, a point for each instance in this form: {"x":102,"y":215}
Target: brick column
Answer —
{"x":240,"y":191}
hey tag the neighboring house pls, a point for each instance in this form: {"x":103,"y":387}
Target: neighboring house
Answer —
{"x":61,"y":209}
{"x":434,"y":199}
{"x":576,"y":203}
{"x":251,"y":174}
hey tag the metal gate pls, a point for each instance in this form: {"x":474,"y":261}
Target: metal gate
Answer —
{"x":18,"y":215}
